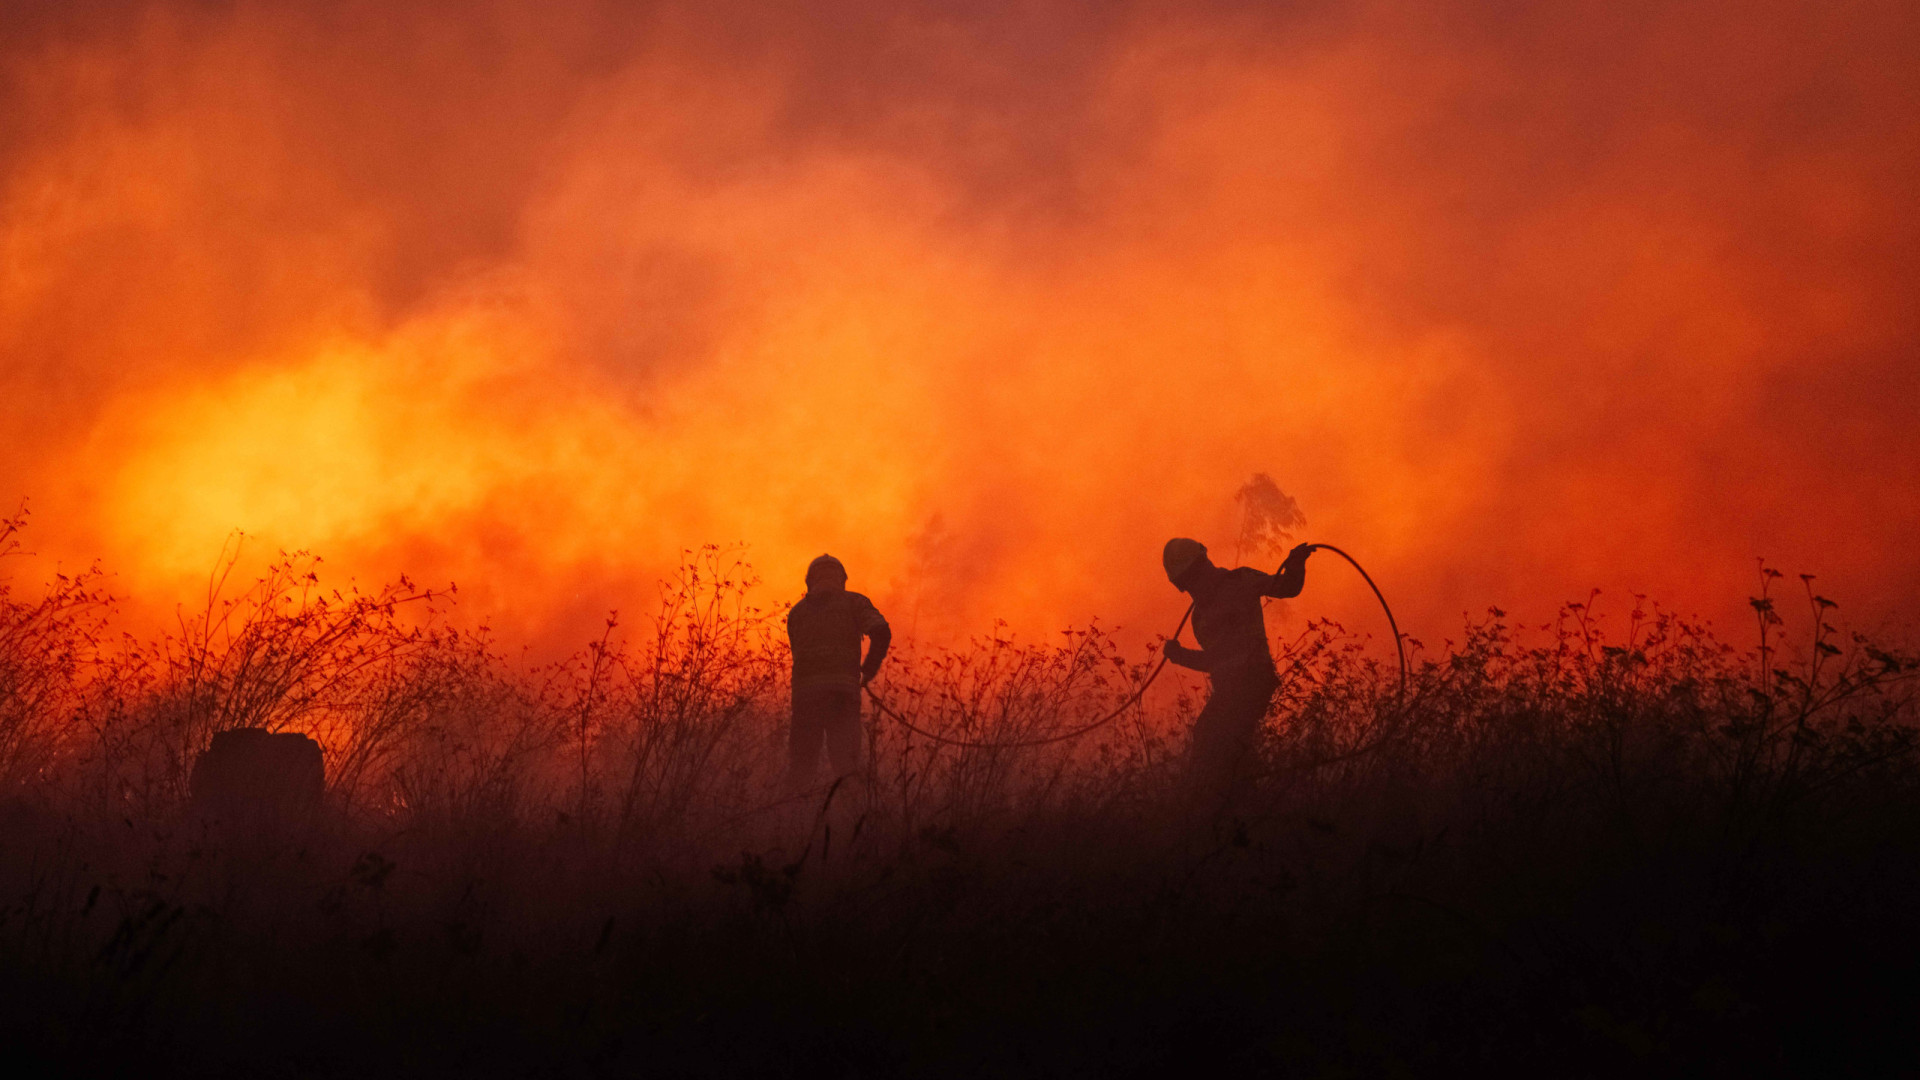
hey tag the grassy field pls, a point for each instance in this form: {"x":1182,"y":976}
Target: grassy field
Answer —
{"x":1596,"y":847}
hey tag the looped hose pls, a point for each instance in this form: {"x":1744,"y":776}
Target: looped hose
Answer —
{"x":1399,"y":643}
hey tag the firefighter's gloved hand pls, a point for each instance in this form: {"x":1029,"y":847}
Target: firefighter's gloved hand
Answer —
{"x":1178,"y":654}
{"x":868,"y":675}
{"x":1299,"y":553}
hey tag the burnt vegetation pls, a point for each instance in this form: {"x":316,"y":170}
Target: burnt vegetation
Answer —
{"x":1600,"y":846}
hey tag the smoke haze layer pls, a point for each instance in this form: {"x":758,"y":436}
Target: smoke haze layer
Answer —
{"x":986,"y":299}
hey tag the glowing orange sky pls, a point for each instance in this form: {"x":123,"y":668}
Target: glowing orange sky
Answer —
{"x":989,"y":300}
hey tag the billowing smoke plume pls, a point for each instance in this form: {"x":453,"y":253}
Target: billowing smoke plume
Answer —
{"x":987,"y":299}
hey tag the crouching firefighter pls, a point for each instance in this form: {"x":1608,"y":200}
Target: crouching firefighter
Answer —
{"x":1232,"y":633}
{"x":824,"y":630}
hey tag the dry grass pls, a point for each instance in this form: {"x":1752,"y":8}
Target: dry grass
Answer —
{"x":1582,"y":848}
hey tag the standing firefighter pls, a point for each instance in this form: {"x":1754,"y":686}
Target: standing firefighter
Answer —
{"x":1228,"y":623}
{"x":824,"y":630}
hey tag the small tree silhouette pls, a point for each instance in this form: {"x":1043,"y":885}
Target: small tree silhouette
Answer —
{"x":1268,"y":517}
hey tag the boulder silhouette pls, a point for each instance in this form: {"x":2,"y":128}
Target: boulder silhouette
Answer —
{"x":255,"y":773}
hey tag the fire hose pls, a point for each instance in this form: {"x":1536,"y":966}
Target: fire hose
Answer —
{"x":1140,"y":691}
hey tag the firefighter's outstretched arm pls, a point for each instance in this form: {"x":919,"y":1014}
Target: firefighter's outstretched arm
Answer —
{"x":1286,"y":582}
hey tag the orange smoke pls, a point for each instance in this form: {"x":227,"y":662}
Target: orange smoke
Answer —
{"x":987,"y":303}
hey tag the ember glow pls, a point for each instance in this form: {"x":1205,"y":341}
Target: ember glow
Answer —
{"x":988,"y":300}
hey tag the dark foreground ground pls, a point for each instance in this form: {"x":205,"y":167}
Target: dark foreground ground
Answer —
{"x":1380,"y":942}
